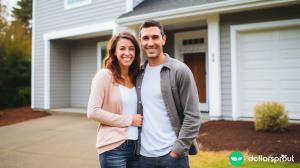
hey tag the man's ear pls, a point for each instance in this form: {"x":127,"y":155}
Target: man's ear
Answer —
{"x":164,"y":37}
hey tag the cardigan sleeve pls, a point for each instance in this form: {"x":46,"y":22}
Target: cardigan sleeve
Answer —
{"x":100,"y":85}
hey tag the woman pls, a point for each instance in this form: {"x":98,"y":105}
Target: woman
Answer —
{"x":113,"y":103}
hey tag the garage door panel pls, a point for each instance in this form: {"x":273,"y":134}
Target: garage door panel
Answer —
{"x":269,"y":69}
{"x":258,"y":85}
{"x":256,"y":46}
{"x":254,"y":36}
{"x":257,"y":73}
{"x":259,"y":55}
{"x":289,"y":96}
{"x":261,"y":64}
{"x":291,"y":33}
{"x":293,"y":85}
{"x":258,"y":95}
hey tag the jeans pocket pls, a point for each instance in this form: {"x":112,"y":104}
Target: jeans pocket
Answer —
{"x":123,"y":146}
{"x":172,"y":158}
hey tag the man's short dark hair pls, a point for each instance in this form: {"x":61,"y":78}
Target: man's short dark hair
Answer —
{"x":153,"y":23}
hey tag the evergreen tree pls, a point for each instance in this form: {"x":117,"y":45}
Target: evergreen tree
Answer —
{"x":15,"y":63}
{"x":23,"y":12}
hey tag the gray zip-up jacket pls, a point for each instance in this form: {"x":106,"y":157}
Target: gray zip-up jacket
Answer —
{"x":180,"y":96}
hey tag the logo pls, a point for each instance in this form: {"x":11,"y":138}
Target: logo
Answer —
{"x":236,"y":158}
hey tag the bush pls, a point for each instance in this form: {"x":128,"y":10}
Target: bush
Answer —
{"x":271,"y":116}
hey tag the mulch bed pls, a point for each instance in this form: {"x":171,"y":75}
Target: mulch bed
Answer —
{"x":241,"y":135}
{"x":16,"y":115}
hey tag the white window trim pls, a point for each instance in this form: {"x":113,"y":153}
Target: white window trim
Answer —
{"x":93,"y":28}
{"x":78,"y":4}
{"x":129,"y":5}
{"x":234,"y":30}
{"x":33,"y":58}
{"x":100,"y":46}
{"x":47,"y":74}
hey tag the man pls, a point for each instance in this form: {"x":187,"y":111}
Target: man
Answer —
{"x":168,"y":99}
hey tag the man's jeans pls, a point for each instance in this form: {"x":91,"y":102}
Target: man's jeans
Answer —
{"x":121,"y":157}
{"x":165,"y":161}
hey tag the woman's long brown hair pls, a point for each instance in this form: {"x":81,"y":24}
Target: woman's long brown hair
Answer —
{"x":111,"y":62}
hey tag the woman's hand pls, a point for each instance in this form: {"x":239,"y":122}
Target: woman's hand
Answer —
{"x":137,"y":120}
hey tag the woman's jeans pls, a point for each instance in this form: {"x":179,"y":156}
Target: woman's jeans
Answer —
{"x":121,"y":157}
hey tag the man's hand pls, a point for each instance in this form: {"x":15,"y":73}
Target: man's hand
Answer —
{"x":173,"y":154}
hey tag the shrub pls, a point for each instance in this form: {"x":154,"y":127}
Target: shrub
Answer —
{"x":271,"y":116}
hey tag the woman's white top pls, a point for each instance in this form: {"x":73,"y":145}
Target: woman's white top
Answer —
{"x":129,"y":103}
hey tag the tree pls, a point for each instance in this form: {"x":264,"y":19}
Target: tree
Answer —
{"x":15,"y":56}
{"x":23,"y":12}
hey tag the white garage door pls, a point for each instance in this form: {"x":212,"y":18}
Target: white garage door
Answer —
{"x":269,"y":69}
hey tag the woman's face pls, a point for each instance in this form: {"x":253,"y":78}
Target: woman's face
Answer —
{"x":125,"y":52}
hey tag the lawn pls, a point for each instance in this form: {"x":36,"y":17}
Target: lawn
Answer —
{"x":219,"y":159}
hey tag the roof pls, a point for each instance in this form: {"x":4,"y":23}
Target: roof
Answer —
{"x":150,"y":6}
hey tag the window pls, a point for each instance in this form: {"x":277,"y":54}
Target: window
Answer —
{"x":193,"y":41}
{"x":101,"y":53}
{"x":69,"y":4}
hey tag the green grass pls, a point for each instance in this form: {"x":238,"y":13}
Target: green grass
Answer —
{"x":220,"y":160}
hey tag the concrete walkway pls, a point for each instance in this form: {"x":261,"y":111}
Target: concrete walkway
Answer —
{"x":57,"y":141}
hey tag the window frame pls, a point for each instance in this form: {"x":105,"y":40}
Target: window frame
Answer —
{"x":76,"y":5}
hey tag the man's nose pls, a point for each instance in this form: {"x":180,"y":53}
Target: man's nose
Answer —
{"x":150,"y":42}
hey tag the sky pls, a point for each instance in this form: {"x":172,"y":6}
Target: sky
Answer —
{"x":10,"y":4}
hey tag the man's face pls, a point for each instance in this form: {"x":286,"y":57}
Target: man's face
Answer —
{"x":152,"y":41}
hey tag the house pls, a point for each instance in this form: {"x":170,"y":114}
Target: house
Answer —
{"x":241,"y":52}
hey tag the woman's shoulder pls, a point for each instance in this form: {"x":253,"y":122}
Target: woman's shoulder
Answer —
{"x":103,"y":74}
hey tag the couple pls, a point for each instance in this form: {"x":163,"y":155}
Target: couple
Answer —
{"x":149,"y":115}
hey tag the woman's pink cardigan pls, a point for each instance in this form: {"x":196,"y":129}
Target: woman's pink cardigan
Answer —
{"x":105,"y":106}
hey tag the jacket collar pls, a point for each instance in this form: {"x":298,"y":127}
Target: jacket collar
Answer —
{"x":166,"y":64}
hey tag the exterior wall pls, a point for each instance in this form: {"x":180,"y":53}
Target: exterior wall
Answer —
{"x":60,"y":74}
{"x":226,"y":21}
{"x":51,"y":16}
{"x":83,"y":69}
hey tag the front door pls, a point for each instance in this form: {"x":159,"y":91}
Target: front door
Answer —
{"x":196,"y":62}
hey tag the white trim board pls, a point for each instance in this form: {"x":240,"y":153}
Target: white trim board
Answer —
{"x":213,"y":27}
{"x":129,"y":5}
{"x":206,"y":9}
{"x":46,"y":74}
{"x":93,"y":28}
{"x":33,"y":57}
{"x":234,"y":30}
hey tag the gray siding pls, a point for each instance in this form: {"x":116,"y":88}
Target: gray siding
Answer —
{"x":83,"y":69}
{"x":60,"y":74}
{"x":50,"y":16}
{"x":242,"y":18}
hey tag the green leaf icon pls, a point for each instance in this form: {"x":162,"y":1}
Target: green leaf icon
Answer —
{"x":236,"y":158}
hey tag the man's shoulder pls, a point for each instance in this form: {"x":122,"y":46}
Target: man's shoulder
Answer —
{"x":177,"y":65}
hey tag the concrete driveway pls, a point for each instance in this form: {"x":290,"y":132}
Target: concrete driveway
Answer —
{"x":57,"y":141}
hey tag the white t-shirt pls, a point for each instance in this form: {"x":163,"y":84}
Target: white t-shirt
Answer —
{"x":158,"y":136}
{"x":129,"y":103}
